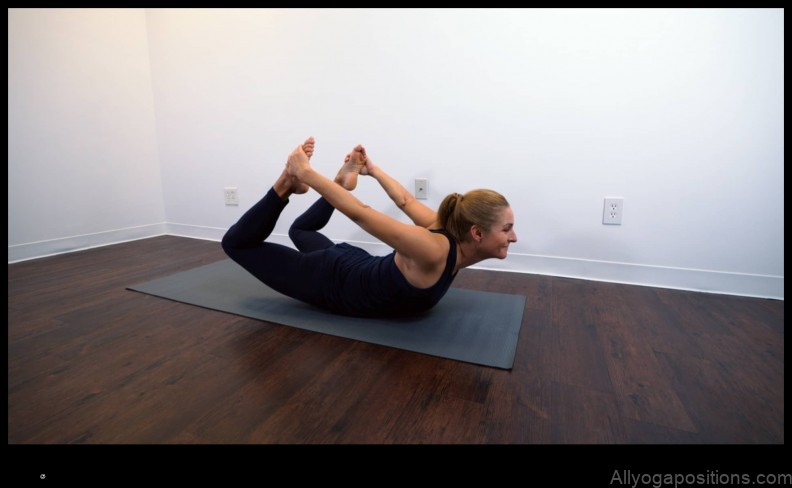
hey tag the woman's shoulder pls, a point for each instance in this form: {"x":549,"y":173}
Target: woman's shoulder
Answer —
{"x":446,"y":242}
{"x":441,"y":231}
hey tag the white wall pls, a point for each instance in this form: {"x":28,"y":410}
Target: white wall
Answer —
{"x":82,"y":154}
{"x":678,"y":111}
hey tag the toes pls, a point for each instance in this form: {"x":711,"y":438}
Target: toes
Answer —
{"x":308,"y":145}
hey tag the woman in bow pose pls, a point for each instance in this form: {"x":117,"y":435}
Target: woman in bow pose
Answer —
{"x":345,"y":279}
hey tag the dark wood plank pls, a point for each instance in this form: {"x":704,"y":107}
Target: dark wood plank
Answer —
{"x":723,"y":413}
{"x":576,"y":307}
{"x":586,"y":416}
{"x":642,"y":390}
{"x":278,"y":373}
{"x":519,"y":402}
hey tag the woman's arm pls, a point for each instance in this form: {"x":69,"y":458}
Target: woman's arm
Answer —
{"x":413,"y":242}
{"x":418,"y":212}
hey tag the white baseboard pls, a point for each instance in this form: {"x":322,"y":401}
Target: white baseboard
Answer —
{"x":726,"y":283}
{"x":741,"y":284}
{"x":34,"y":250}
{"x":195,"y":231}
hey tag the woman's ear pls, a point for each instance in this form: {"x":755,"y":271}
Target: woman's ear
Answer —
{"x":476,"y":233}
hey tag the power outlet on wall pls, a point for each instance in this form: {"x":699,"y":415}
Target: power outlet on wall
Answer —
{"x":421,"y":188}
{"x":612,"y":213}
{"x":231,"y":196}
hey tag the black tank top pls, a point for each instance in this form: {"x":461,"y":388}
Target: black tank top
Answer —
{"x":360,"y":284}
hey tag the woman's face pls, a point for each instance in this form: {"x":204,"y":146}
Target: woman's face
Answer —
{"x":495,"y":242}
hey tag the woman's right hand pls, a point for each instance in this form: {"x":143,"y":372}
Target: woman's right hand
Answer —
{"x":298,"y":162}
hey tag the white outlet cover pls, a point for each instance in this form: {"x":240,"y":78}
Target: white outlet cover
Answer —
{"x":612,"y":211}
{"x":231,"y":196}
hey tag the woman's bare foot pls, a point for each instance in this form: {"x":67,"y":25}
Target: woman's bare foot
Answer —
{"x":354,"y":162}
{"x":298,"y":186}
{"x":288,"y":184}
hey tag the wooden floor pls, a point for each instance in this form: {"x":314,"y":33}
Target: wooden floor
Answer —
{"x":92,"y":362}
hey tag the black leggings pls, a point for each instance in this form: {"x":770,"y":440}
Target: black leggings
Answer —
{"x":292,"y":273}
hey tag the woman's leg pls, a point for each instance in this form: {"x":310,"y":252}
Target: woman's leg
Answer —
{"x":285,"y":270}
{"x":304,"y":232}
{"x":257,"y":223}
{"x":281,"y":268}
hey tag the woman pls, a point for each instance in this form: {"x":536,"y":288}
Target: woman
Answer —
{"x":347,"y":280}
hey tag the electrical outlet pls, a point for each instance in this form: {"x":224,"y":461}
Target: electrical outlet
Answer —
{"x":421,"y":188}
{"x":612,"y":213}
{"x":231,"y":196}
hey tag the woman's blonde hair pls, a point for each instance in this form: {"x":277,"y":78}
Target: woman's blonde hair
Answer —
{"x":458,"y":213}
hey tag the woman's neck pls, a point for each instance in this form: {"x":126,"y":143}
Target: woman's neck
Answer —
{"x":467,"y":256}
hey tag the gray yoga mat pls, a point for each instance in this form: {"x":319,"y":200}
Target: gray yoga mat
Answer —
{"x":472,"y":326}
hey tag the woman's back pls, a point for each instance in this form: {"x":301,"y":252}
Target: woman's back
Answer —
{"x":360,"y":284}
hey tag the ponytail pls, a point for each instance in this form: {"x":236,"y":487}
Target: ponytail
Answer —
{"x":445,"y":214}
{"x":458,"y":213}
